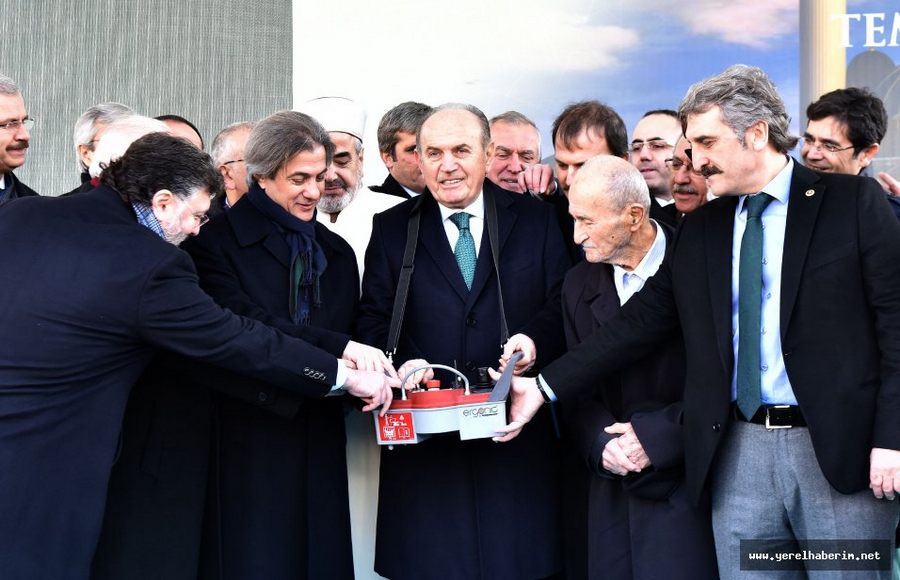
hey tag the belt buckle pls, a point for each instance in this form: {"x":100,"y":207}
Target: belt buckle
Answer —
{"x":769,"y":425}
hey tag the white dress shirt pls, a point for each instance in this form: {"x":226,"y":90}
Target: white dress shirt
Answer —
{"x":476,"y":222}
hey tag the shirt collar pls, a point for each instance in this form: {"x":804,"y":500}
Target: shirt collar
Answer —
{"x":651,"y":261}
{"x":475,"y":209}
{"x":146,"y":218}
{"x":779,"y":187}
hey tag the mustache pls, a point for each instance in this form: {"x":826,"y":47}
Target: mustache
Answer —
{"x":337,"y":182}
{"x":18,"y":145}
{"x":684,"y":189}
{"x":710,"y":170}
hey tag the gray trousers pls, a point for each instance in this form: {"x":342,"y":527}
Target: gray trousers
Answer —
{"x":767,"y":485}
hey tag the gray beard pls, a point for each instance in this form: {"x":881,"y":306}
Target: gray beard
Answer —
{"x":336,"y":203}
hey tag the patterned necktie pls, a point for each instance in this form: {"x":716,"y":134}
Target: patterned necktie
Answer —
{"x":750,"y":307}
{"x":465,"y":247}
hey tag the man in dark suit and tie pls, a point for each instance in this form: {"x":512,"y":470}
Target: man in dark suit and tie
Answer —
{"x":451,"y":509}
{"x":100,"y":286}
{"x":787,"y":293}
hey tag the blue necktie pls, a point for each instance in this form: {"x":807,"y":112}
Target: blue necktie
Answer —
{"x":750,"y":307}
{"x":465,"y":247}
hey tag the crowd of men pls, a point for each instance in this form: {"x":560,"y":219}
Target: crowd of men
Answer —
{"x":709,"y":331}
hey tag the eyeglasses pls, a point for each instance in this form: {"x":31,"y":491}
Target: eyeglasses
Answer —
{"x":201,"y":218}
{"x":812,"y":143}
{"x":13,"y":126}
{"x":233,"y":161}
{"x":653,"y":144}
{"x":677,"y":164}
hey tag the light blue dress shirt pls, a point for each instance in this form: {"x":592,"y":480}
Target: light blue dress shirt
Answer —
{"x":775,"y":387}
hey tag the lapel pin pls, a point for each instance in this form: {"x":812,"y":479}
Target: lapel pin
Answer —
{"x":810,"y":192}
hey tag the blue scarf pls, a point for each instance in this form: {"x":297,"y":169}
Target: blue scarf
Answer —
{"x":308,"y":261}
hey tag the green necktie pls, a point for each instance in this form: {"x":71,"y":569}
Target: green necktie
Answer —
{"x":465,"y":247}
{"x":750,"y":307}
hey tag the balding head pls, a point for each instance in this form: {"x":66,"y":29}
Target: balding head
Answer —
{"x":610,"y":203}
{"x":118,"y":136}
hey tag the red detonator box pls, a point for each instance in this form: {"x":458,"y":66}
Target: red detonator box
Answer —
{"x":423,"y":413}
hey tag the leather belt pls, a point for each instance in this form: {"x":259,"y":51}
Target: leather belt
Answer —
{"x":773,"y":416}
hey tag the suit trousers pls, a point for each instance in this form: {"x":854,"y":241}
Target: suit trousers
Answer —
{"x":767,"y":485}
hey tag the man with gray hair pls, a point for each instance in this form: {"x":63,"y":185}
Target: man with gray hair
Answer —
{"x":14,"y":138}
{"x":228,"y":155}
{"x":786,"y":291}
{"x":89,"y":129}
{"x":637,"y":517}
{"x":516,"y":155}
{"x":347,"y":206}
{"x":397,"y":144}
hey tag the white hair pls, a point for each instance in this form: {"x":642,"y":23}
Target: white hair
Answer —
{"x":85,"y":132}
{"x":118,"y":136}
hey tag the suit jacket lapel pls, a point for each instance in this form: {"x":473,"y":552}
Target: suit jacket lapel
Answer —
{"x":506,"y":219}
{"x":433,"y":239}
{"x":720,"y":227}
{"x":801,"y":220}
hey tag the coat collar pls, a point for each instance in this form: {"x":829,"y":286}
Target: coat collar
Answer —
{"x":251,"y":227}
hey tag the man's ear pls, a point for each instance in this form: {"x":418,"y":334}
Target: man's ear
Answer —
{"x":163,"y":201}
{"x":228,"y":181}
{"x":636,"y":214}
{"x":387,"y":159}
{"x":757,"y":135}
{"x":868,"y":154}
{"x":86,"y":154}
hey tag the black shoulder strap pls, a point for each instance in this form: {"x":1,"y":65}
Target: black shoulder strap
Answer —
{"x":490,"y":214}
{"x":406,"y":271}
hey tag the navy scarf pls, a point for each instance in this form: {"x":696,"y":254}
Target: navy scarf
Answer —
{"x":307,"y":258}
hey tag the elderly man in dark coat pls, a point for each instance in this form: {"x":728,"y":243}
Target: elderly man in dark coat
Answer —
{"x":635,"y":520}
{"x":98,"y":290}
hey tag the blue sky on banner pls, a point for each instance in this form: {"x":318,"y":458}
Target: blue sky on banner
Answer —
{"x":536,"y":56}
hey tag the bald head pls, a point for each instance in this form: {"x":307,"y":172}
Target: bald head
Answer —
{"x":118,"y":136}
{"x":610,"y":203}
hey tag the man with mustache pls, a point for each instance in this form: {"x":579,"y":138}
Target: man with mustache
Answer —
{"x":14,"y":138}
{"x":688,"y":186}
{"x":346,"y":206}
{"x":785,"y":290}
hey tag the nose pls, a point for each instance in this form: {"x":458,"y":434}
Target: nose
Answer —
{"x":448,"y":163}
{"x":682,"y":175}
{"x":330,"y":173}
{"x":515,"y":164}
{"x":808,"y":150}
{"x":579,"y":235}
{"x":314,"y":190}
{"x":644,"y":153}
{"x":22,"y":133}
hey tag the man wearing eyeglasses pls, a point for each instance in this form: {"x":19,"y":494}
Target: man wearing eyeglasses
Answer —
{"x":688,"y":186}
{"x":652,"y":142}
{"x":228,"y":155}
{"x":844,"y":134}
{"x":14,"y":138}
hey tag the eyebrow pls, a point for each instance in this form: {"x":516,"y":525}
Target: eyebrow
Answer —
{"x":809,"y":137}
{"x":342,"y":155}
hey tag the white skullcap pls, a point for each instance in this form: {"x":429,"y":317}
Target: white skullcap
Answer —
{"x":337,"y":114}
